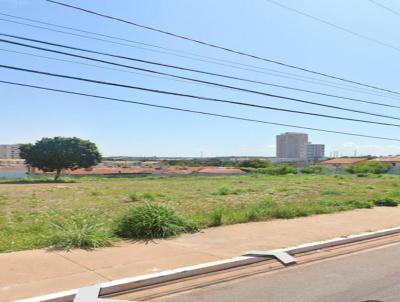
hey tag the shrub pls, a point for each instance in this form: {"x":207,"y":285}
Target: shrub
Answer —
{"x":150,"y":221}
{"x":385,"y":202}
{"x":275,"y":169}
{"x":255,"y":163}
{"x":222,"y":191}
{"x":216,"y":218}
{"x":151,"y":196}
{"x":227,"y":191}
{"x":313,"y":169}
{"x":134,"y":196}
{"x":359,"y":204}
{"x":80,"y":230}
{"x":370,"y":167}
{"x":281,"y":169}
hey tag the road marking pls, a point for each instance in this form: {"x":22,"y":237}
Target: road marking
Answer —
{"x":283,"y":257}
{"x":91,"y":294}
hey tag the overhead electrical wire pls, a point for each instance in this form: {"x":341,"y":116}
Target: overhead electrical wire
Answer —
{"x":225,"y":63}
{"x":171,"y":51}
{"x":96,"y":66}
{"x":158,"y":91}
{"x":204,"y":82}
{"x":384,"y":7}
{"x":280,"y":63}
{"x":197,"y":112}
{"x":344,"y":29}
{"x":174,"y":67}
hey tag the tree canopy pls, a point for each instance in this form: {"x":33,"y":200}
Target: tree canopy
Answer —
{"x":59,"y":153}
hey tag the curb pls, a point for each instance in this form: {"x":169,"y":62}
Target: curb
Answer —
{"x":131,"y":283}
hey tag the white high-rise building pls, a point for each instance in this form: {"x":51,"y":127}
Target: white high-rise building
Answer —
{"x":9,"y":151}
{"x":292,"y":145}
{"x":315,"y":151}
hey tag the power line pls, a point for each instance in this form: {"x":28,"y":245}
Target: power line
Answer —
{"x":225,"y":48}
{"x":349,"y":31}
{"x":194,"y":111}
{"x":203,"y":82}
{"x":226,"y":63}
{"x":295,"y":76}
{"x":384,"y":7}
{"x":96,"y":66}
{"x":193,"y":96}
{"x":179,"y":68}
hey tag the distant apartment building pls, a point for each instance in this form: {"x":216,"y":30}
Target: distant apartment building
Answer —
{"x":315,"y":151}
{"x":9,"y":151}
{"x":292,"y":145}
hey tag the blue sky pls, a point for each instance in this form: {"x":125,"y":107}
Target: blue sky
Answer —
{"x":255,"y":26}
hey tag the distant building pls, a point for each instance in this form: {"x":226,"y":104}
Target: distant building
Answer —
{"x":345,"y":161}
{"x":315,"y":151}
{"x":9,"y":151}
{"x":394,"y":161}
{"x":292,"y":145}
{"x":10,"y":162}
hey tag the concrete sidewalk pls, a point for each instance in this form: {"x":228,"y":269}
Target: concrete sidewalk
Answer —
{"x":31,"y":273}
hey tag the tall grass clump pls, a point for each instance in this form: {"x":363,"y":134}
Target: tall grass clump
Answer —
{"x":222,"y":191}
{"x":151,"y":196}
{"x":134,"y":196}
{"x":385,"y":202}
{"x":151,"y":221}
{"x":78,"y":230}
{"x":216,"y":217}
{"x":148,"y":196}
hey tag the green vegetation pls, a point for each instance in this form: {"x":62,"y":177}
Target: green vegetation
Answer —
{"x":150,"y":221}
{"x":254,"y":163}
{"x":273,"y":169}
{"x":59,"y":153}
{"x":87,"y":211}
{"x":313,"y":169}
{"x":227,"y":191}
{"x":149,"y":196}
{"x":78,"y":230}
{"x":370,"y":167}
{"x":386,"y":202}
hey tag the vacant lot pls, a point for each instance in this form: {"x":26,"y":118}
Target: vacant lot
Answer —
{"x":29,"y":212}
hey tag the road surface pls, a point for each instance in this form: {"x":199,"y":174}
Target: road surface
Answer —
{"x":368,"y":276}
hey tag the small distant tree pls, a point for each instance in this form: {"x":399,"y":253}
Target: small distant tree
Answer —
{"x":255,"y":163}
{"x":59,"y":153}
{"x":370,"y":167}
{"x":313,"y":169}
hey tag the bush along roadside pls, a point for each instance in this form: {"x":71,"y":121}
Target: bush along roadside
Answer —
{"x":385,"y":202}
{"x":79,"y":230}
{"x":151,"y":221}
{"x":85,"y":230}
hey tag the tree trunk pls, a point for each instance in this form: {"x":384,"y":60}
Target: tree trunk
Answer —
{"x":57,"y":176}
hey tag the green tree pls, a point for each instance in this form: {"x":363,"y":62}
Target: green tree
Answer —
{"x":58,"y":153}
{"x":370,"y":167}
{"x":255,"y":163}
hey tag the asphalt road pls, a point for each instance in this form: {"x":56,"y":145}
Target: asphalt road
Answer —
{"x":368,"y":276}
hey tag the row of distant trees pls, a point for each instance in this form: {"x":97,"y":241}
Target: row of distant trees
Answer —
{"x":60,"y":153}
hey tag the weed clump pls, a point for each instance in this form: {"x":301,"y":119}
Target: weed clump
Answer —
{"x":386,"y":202}
{"x":79,"y":230}
{"x":148,"y":196}
{"x":151,"y":221}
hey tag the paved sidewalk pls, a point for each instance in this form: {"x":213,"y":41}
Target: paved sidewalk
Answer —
{"x":31,"y":273}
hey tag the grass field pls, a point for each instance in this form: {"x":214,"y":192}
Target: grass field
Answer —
{"x":31,"y":213}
